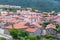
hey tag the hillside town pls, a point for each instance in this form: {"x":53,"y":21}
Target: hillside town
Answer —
{"x":35,"y":22}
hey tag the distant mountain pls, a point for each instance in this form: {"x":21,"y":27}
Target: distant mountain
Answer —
{"x":42,"y":5}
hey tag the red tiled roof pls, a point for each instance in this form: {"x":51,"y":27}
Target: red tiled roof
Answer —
{"x":9,"y":27}
{"x":39,"y":26}
{"x":31,"y":29}
{"x":17,"y":26}
{"x":51,"y":26}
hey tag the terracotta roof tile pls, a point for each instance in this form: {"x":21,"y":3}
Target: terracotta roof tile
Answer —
{"x":17,"y":26}
{"x":39,"y":26}
{"x":9,"y":27}
{"x":31,"y":29}
{"x":51,"y":26}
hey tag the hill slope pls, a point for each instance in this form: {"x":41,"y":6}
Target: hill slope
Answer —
{"x":43,"y":5}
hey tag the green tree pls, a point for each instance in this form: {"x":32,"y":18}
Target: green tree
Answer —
{"x":50,"y":39}
{"x":57,"y":25}
{"x":45,"y":24}
{"x":14,"y":33}
{"x":58,"y":30}
{"x":4,"y":9}
{"x":23,"y":33}
{"x":55,"y":14}
{"x":33,"y":38}
{"x":48,"y":36}
{"x":33,"y":10}
{"x":1,"y":38}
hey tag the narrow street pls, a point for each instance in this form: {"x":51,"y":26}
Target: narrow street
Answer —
{"x":43,"y":33}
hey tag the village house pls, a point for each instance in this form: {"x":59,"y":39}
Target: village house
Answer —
{"x":35,"y":31}
{"x":27,"y":20}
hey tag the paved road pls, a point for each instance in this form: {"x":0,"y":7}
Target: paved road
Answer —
{"x":8,"y":37}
